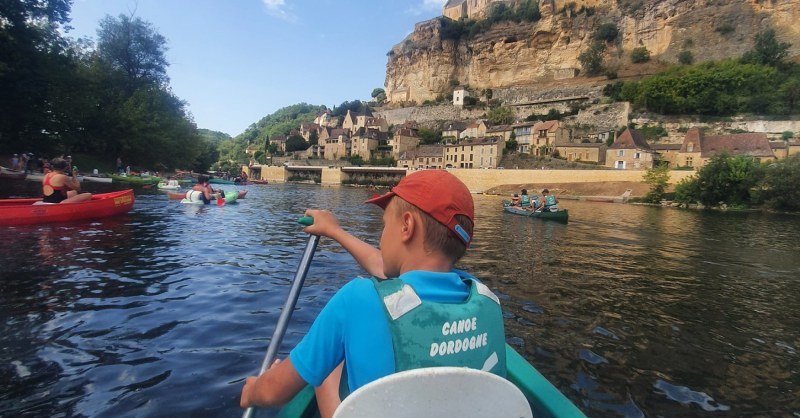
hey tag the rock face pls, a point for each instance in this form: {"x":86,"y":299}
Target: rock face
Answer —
{"x":545,"y":53}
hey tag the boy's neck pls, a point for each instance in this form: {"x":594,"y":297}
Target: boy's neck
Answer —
{"x":428,"y":262}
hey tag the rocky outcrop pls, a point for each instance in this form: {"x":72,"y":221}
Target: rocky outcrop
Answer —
{"x":545,"y":53}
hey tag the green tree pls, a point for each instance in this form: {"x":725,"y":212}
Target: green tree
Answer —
{"x":787,"y":135}
{"x":685,"y":57}
{"x":132,"y":46}
{"x":430,"y":136}
{"x":500,"y":116}
{"x":296,"y":143}
{"x":767,"y":50}
{"x":790,"y":90}
{"x":592,"y":59}
{"x":607,"y":32}
{"x":658,"y":179}
{"x":313,"y":138}
{"x":780,"y":184}
{"x":511,"y":145}
{"x":724,"y":180}
{"x":640,"y":55}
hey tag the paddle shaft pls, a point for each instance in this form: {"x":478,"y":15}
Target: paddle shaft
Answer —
{"x":288,"y":307}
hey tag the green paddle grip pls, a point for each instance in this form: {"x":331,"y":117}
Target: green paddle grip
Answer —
{"x":306,"y":220}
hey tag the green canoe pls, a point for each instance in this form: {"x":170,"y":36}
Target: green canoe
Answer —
{"x":561,"y":215}
{"x":544,"y":398}
{"x":135,"y":180}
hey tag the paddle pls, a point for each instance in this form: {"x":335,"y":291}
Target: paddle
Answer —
{"x":291,"y":301}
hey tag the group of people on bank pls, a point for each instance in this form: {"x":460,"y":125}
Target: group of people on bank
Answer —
{"x":548,"y":202}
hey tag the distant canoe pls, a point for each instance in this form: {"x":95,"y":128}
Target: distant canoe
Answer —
{"x":95,"y":179}
{"x":32,"y":211}
{"x":7,"y":173}
{"x":135,"y":180}
{"x":259,"y":182}
{"x":221,"y":181}
{"x":561,"y":215}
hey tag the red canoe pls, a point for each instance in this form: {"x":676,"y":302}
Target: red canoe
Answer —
{"x":24,"y":212}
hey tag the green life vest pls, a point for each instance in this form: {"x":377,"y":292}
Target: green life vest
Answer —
{"x":550,"y":200}
{"x":434,"y":334}
{"x":525,"y":200}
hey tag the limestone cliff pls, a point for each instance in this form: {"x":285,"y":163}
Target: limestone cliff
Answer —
{"x":545,"y":52}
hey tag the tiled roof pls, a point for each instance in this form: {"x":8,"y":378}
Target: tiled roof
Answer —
{"x":548,"y":125}
{"x":277,"y":138}
{"x":430,"y":151}
{"x":582,"y":145}
{"x":407,"y":132}
{"x":630,"y":139}
{"x":666,"y":147}
{"x":778,"y":144}
{"x":454,"y":126}
{"x":499,"y":128}
{"x":749,"y":144}
{"x":491,"y":140}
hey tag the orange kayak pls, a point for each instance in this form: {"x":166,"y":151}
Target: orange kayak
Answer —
{"x":25,"y":212}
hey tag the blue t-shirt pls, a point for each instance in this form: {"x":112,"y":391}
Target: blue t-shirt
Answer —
{"x":353,"y":327}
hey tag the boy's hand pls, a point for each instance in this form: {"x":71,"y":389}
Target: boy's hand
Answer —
{"x":246,"y":400}
{"x":325,"y":223}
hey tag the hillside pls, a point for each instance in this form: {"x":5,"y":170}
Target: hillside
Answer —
{"x":544,"y":53}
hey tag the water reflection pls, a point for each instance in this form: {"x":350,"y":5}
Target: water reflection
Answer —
{"x":630,"y":311}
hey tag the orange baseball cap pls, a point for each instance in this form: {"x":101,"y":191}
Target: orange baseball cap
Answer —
{"x":437,"y":193}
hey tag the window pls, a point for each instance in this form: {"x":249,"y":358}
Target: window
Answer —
{"x":620,"y":165}
{"x":690,"y":148}
{"x":470,"y":157}
{"x":621,"y":153}
{"x":462,"y":159}
{"x":637,"y":155}
{"x":689,"y":162}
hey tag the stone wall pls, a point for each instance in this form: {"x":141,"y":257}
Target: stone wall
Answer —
{"x":426,"y":115}
{"x":676,"y":127}
{"x":602,"y":116}
{"x":479,"y":181}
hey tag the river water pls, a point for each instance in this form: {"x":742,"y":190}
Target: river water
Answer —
{"x":630,"y":311}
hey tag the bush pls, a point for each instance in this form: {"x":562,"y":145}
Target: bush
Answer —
{"x":787,"y":135}
{"x":685,"y":57}
{"x":657,"y":178}
{"x":724,"y":180}
{"x":607,"y":32}
{"x":592,"y":59}
{"x":780,"y":189}
{"x":767,"y":50}
{"x":500,"y":116}
{"x":640,"y":55}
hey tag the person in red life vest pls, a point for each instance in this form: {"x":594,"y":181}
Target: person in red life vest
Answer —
{"x":57,"y":187}
{"x":415,"y":311}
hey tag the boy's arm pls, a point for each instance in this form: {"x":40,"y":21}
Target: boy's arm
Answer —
{"x":274,"y":387}
{"x":326,"y":225}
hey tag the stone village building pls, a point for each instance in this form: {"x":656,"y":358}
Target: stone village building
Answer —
{"x":424,"y":157}
{"x":539,"y":138}
{"x":404,"y":140}
{"x":366,"y":141}
{"x":452,"y":130}
{"x":474,"y":153}
{"x":475,"y":129}
{"x":630,"y":152}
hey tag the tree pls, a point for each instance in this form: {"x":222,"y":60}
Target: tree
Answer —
{"x":592,"y":59}
{"x":500,"y":116}
{"x":658,"y":178}
{"x":787,"y":135}
{"x":429,"y":136}
{"x":379,"y":95}
{"x":685,"y":57}
{"x":767,"y":50}
{"x":790,"y":90}
{"x":313,"y":138}
{"x":607,"y":32}
{"x":640,"y":55}
{"x":724,"y":180}
{"x":296,"y":143}
{"x":780,"y":184}
{"x":511,"y":145}
{"x":135,"y":48}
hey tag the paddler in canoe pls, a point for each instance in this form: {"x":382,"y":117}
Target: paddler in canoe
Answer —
{"x":549,"y":202}
{"x":427,"y":315}
{"x":57,"y":187}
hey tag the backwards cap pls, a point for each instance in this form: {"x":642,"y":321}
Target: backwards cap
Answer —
{"x":437,"y":193}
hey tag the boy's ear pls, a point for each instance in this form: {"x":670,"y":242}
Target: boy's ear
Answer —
{"x":408,"y":226}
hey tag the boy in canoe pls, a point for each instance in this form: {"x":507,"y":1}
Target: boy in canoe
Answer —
{"x":427,"y":315}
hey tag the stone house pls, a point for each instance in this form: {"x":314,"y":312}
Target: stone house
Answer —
{"x":379,"y":123}
{"x":697,"y":148}
{"x":326,"y":119}
{"x":503,"y":131}
{"x":475,"y":129}
{"x":424,"y":157}
{"x":403,"y":140}
{"x":474,"y":153}
{"x":354,"y":120}
{"x":335,"y":143}
{"x":315,"y":151}
{"x":586,"y":152}
{"x":630,"y":152}
{"x":307,"y":128}
{"x":453,"y":129}
{"x":785,"y":149}
{"x":667,"y":153}
{"x":459,"y":94}
{"x":540,"y":138}
{"x":279,"y":141}
{"x":365,"y":141}
{"x":470,"y":9}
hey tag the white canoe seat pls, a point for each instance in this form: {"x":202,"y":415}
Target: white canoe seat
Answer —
{"x":437,"y":392}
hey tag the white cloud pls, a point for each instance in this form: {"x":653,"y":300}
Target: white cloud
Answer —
{"x":278,"y":8}
{"x":426,"y":7}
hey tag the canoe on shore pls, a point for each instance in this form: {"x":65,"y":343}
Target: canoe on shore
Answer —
{"x":560,"y":215}
{"x":29,"y":212}
{"x":7,"y":173}
{"x":135,"y":180}
{"x":544,"y":398}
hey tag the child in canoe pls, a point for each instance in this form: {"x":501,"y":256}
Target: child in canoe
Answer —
{"x":427,"y":314}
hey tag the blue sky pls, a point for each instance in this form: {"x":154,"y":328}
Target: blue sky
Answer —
{"x":235,"y":61}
